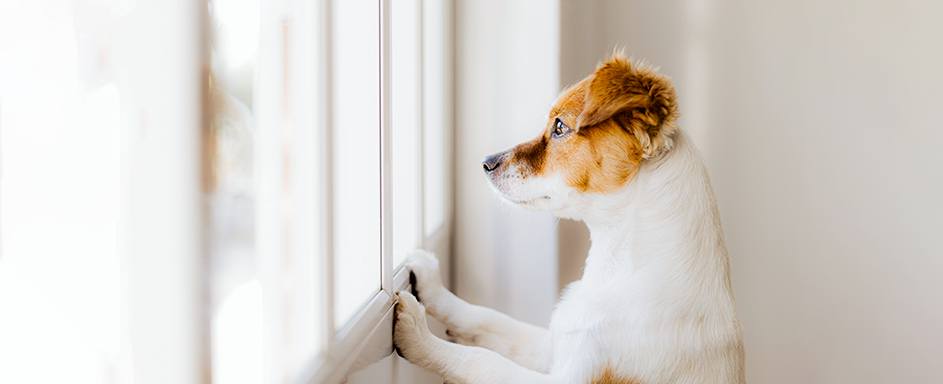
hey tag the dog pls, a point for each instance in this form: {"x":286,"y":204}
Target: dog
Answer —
{"x":655,"y":303}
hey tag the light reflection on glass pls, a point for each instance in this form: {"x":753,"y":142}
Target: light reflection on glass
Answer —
{"x":230,"y":179}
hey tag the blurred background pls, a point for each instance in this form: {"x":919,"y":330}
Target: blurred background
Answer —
{"x":174,"y":205}
{"x":821,"y":122}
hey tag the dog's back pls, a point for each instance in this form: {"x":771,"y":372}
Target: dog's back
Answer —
{"x":655,"y":302}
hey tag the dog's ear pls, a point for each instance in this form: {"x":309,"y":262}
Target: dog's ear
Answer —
{"x":638,"y":98}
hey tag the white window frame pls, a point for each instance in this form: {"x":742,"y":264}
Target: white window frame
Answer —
{"x":366,"y":337}
{"x":161,"y":180}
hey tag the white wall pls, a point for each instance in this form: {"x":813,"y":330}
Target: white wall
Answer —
{"x":506,"y":77}
{"x":822,"y":121}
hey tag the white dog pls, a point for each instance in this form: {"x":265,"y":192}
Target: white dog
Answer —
{"x":655,"y":304}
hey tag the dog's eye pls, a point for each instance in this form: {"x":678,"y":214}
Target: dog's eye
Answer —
{"x":560,"y":129}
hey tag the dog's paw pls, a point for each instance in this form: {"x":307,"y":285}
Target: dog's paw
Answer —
{"x":459,"y":337}
{"x":425,"y":266}
{"x":411,"y":335}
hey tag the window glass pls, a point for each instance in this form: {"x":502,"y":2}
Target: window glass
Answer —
{"x":304,"y":314}
{"x":265,"y":181}
{"x":405,"y":108}
{"x":434,"y":108}
{"x":356,"y":132}
{"x":229,"y":188}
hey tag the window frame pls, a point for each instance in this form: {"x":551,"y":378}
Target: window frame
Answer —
{"x":185,"y":351}
{"x":365,"y":338}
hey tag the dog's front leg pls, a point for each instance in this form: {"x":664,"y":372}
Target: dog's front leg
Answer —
{"x":454,"y":362}
{"x":522,"y":343}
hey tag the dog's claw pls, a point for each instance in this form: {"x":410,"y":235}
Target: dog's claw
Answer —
{"x":424,"y":276}
{"x":412,"y":285}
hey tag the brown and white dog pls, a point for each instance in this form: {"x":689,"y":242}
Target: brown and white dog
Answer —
{"x":655,"y":304}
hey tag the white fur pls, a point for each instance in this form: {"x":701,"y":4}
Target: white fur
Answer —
{"x":654,"y":305}
{"x":547,"y":193}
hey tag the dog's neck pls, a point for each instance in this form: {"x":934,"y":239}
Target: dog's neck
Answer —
{"x":664,"y":222}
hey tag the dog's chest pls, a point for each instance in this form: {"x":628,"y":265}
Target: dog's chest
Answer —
{"x":584,"y":319}
{"x":594,"y":321}
{"x":575,"y":309}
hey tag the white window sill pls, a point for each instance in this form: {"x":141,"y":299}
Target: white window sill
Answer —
{"x":364,"y":340}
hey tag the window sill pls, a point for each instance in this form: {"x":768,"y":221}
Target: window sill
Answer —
{"x":364,"y":340}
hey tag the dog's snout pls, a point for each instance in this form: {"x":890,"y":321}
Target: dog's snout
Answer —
{"x":492,"y":162}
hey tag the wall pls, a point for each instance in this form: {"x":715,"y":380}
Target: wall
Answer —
{"x":822,"y":122}
{"x":506,"y":77}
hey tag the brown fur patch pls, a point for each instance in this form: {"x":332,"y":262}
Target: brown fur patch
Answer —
{"x":600,"y":160}
{"x":618,"y":116}
{"x":531,"y":155}
{"x":608,"y":376}
{"x":616,"y":87}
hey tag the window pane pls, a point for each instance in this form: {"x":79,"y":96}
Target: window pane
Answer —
{"x":356,"y":66}
{"x":231,"y":176}
{"x":265,"y":190}
{"x":404,"y":26}
{"x":435,"y":102}
{"x":304,"y":309}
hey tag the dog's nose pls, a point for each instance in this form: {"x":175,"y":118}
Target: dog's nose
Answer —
{"x":492,"y":162}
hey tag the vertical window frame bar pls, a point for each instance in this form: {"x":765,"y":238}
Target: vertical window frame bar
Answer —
{"x":386,"y":170}
{"x":421,"y":131}
{"x":326,"y":49}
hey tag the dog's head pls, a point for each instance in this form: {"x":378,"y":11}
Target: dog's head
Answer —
{"x":597,"y":135}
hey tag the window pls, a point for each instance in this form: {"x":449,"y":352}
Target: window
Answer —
{"x":341,"y":102}
{"x":356,"y":130}
{"x":233,"y":192}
